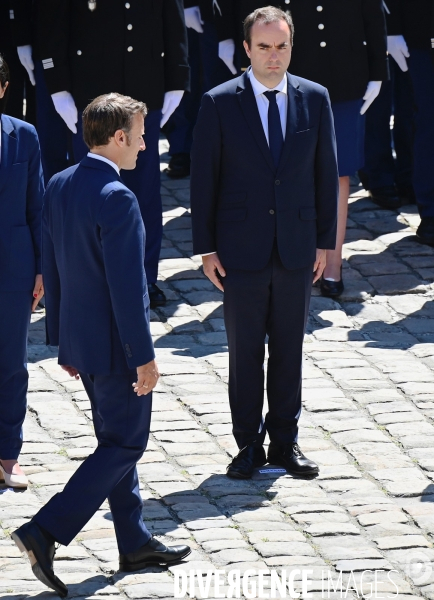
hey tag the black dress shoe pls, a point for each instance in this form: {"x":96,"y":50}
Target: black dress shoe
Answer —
{"x":386,"y":197}
{"x":406,"y":194}
{"x":179,"y":166}
{"x":30,"y":538}
{"x":332,"y":289}
{"x":156,"y":296}
{"x":292,"y":458}
{"x":152,"y":553}
{"x":246,"y":461}
{"x":425,"y":231}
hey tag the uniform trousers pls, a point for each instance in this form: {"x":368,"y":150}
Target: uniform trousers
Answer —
{"x":421,"y":69}
{"x":273,"y":301}
{"x":15,"y":310}
{"x":121,"y":420}
{"x":144,"y":182}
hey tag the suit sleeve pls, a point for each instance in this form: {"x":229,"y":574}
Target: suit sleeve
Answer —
{"x":50,"y":274}
{"x":53,"y":39}
{"x":176,"y":68}
{"x":205,"y":170}
{"x":123,"y":243}
{"x":21,"y":22}
{"x":376,"y":42}
{"x":326,"y":179}
{"x":34,"y":197}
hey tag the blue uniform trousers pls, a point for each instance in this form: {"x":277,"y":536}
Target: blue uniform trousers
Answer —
{"x":381,"y":169}
{"x":144,"y":182}
{"x":14,"y":324}
{"x":54,"y":135}
{"x":421,"y":70}
{"x":121,"y":420}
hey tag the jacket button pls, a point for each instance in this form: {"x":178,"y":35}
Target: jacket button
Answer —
{"x":277,"y":182}
{"x":319,"y":8}
{"x":271,"y":211}
{"x":323,"y":44}
{"x":130,"y":48}
{"x":79,"y":52}
{"x":129,"y":27}
{"x":127,"y":5}
{"x":320,"y":26}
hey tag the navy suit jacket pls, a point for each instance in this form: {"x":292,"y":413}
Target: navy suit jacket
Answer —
{"x":21,"y":193}
{"x":92,"y":258}
{"x":240,"y":202}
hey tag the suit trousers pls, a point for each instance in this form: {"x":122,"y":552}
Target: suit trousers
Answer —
{"x":275,"y":302}
{"x":121,"y":420}
{"x":15,"y":310}
{"x":144,"y":182}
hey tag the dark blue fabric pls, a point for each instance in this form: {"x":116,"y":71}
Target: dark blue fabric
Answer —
{"x":121,"y":421}
{"x":95,"y":284}
{"x":275,"y":134}
{"x":21,"y":192}
{"x":350,"y":136}
{"x":14,"y":323}
{"x":144,"y":182}
{"x":421,"y":70}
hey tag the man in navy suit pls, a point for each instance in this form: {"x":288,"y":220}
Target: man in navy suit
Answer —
{"x":264,"y":189}
{"x":98,"y":314}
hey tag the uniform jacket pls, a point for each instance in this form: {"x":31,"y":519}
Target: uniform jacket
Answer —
{"x":240,"y":202}
{"x":414,"y":19}
{"x":137,"y":48}
{"x":21,"y":192}
{"x":340,"y":44}
{"x":95,"y":284}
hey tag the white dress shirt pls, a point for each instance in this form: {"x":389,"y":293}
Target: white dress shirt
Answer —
{"x":262,"y":101}
{"x":106,"y":160}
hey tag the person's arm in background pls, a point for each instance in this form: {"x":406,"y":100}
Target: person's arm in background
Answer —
{"x":376,"y":45}
{"x":396,"y":44}
{"x":50,"y":274}
{"x":224,"y":20}
{"x":21,"y":16}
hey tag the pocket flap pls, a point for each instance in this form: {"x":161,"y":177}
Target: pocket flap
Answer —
{"x":231,"y":214}
{"x":307,"y":213}
{"x":236,"y":198}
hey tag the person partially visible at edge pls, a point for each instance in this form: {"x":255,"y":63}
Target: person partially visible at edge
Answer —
{"x":98,"y":314}
{"x":21,"y":288}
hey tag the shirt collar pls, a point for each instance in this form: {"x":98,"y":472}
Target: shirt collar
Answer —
{"x":259,"y":88}
{"x":106,"y":160}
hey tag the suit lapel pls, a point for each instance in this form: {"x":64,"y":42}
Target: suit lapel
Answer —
{"x":8,"y":149}
{"x":295,"y":102}
{"x":250,"y":109}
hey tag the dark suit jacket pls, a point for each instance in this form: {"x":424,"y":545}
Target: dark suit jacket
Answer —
{"x":240,"y":202}
{"x":95,"y":284}
{"x":21,"y":192}
{"x":88,"y":50}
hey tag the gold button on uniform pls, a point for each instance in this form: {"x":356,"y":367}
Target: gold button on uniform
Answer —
{"x":79,"y":52}
{"x":129,"y":27}
{"x":323,"y":44}
{"x":127,"y":5}
{"x":319,"y":8}
{"x":320,"y":26}
{"x":130,"y":48}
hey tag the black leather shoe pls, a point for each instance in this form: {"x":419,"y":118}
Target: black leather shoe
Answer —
{"x":406,"y":194}
{"x":425,"y":231}
{"x":152,"y":553}
{"x":332,"y":289}
{"x":292,"y":458}
{"x":31,"y":539}
{"x":246,"y":461}
{"x":386,"y":197}
{"x":179,"y":166}
{"x":156,"y":296}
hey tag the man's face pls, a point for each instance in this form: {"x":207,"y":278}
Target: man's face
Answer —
{"x":270,"y":51}
{"x":134,"y":143}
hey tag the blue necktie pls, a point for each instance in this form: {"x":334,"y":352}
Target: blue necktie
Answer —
{"x":275,"y":135}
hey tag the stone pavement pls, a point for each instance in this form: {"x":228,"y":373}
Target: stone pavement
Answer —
{"x":368,"y":404}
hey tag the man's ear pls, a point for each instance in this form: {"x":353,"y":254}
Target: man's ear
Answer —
{"x":120,"y":137}
{"x":246,"y":48}
{"x":5,"y":87}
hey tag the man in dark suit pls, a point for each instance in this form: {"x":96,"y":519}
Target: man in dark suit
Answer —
{"x":264,"y":207}
{"x":98,"y":314}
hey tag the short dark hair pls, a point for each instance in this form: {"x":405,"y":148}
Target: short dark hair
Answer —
{"x":4,"y":79}
{"x":107,"y":114}
{"x":267,"y":14}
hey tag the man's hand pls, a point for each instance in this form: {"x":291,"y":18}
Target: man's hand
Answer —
{"x":147,"y":377}
{"x":65,"y":106}
{"x":212,"y":266}
{"x":319,"y":265}
{"x":193,"y":19}
{"x":397,"y":48}
{"x":71,"y":371}
{"x":226,"y":54}
{"x":38,"y":291}
{"x":371,"y":93}
{"x":25,"y":56}
{"x":170,"y":104}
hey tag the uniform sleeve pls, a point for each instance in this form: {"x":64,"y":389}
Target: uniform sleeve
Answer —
{"x":392,"y":10}
{"x":34,"y":197}
{"x":205,"y":171}
{"x":326,"y":179}
{"x":176,"y":68}
{"x":376,"y":42}
{"x":50,"y":276}
{"x":53,"y":41}
{"x":21,"y":12}
{"x":224,"y":19}
{"x":123,"y":243}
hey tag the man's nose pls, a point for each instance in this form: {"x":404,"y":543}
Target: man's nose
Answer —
{"x":143,"y":146}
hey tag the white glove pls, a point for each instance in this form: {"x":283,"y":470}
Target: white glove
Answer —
{"x":193,"y":18}
{"x":25,"y":56}
{"x":397,"y":48}
{"x":170,"y":104}
{"x":65,"y":106}
{"x":226,"y":53}
{"x":371,"y":93}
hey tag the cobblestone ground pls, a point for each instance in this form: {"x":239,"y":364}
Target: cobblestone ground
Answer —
{"x":368,"y":409}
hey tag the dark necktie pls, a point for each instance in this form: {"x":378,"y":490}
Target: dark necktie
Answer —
{"x":275,"y":135}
